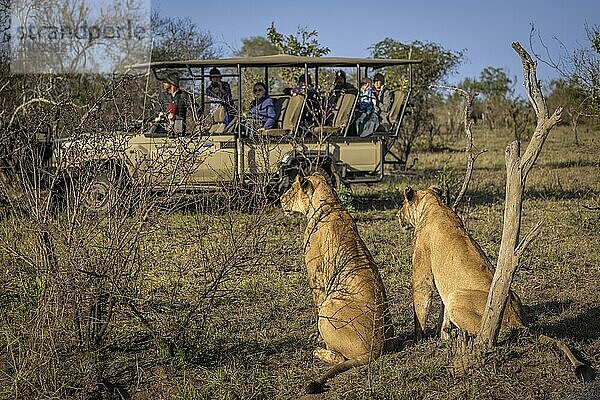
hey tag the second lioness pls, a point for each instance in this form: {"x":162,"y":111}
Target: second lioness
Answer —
{"x":346,"y":287}
{"x":447,"y":258}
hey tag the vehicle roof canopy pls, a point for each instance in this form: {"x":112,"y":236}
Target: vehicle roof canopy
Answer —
{"x":279,"y":60}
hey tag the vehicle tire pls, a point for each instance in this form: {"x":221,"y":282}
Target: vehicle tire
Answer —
{"x":101,"y":193}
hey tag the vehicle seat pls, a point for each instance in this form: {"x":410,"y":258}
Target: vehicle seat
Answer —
{"x":289,"y":116}
{"x":397,"y":105}
{"x":341,"y":115}
{"x":218,"y":120}
{"x":281,"y":104}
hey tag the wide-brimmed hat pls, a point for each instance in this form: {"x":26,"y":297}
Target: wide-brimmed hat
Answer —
{"x":172,"y":77}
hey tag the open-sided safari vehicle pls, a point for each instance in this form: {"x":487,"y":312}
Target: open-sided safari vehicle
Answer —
{"x":219,"y":145}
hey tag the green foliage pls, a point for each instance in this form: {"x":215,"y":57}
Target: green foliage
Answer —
{"x":566,"y":93}
{"x":493,"y":83}
{"x":437,"y":64}
{"x":595,"y":38}
{"x":256,"y":46}
{"x":304,"y":43}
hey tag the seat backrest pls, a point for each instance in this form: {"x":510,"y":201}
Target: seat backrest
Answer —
{"x":399,"y":97}
{"x":293,"y":112}
{"x":281,"y":105}
{"x":218,"y":120}
{"x":219,"y":115}
{"x":343,"y":110}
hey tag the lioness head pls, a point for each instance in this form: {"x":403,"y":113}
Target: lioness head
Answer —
{"x":410,"y":213}
{"x":307,"y":194}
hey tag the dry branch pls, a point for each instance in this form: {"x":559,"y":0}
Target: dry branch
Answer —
{"x":517,"y":169}
{"x":470,"y":154}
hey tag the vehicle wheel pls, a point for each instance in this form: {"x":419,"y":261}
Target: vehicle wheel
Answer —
{"x":101,"y":194}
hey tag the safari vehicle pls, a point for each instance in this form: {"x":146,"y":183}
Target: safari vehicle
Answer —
{"x":212,"y":152}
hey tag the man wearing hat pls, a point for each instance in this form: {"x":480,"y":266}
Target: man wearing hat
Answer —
{"x":340,"y":86}
{"x":219,"y":93}
{"x":218,"y":88}
{"x":172,"y":94}
{"x":384,"y":98}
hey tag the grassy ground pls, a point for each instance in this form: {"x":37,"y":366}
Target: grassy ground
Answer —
{"x":257,"y":342}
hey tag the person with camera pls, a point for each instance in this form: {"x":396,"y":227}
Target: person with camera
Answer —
{"x":171,"y":100}
{"x":217,"y":87}
{"x":219,"y":94}
{"x":384,"y":99}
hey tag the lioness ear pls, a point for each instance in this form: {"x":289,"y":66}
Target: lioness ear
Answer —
{"x":436,"y":190}
{"x":409,"y":193}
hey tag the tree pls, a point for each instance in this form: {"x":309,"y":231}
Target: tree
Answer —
{"x":437,"y":64}
{"x":580,"y":67}
{"x":575,"y":102}
{"x":518,"y":167}
{"x":304,"y":43}
{"x":495,"y":88}
{"x":181,"y":39}
{"x":4,"y":30}
{"x":256,"y":46}
{"x":494,"y":82}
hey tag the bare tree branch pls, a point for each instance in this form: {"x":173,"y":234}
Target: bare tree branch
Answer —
{"x":470,"y":154}
{"x":528,"y":238}
{"x":516,"y":175}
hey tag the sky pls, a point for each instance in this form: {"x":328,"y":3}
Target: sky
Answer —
{"x":483,"y":29}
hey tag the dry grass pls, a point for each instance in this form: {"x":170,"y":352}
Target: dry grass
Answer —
{"x":256,"y":343}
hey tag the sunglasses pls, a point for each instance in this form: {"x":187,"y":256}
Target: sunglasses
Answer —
{"x":258,"y":90}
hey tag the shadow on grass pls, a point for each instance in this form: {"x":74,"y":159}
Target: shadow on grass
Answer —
{"x":370,"y":203}
{"x":495,"y":194}
{"x":584,"y":326}
{"x":248,"y":352}
{"x":571,"y":164}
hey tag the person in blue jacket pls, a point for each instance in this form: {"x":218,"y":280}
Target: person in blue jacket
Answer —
{"x":262,"y":108}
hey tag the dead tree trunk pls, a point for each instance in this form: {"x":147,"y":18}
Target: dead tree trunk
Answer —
{"x":517,"y":169}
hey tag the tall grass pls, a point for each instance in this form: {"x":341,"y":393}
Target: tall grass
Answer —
{"x":171,"y":336}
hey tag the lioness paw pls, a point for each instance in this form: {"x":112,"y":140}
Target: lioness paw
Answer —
{"x":328,"y":356}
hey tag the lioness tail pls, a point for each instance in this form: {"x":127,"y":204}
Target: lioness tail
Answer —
{"x":318,"y":386}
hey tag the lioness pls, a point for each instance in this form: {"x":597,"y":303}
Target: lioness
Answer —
{"x":347,"y":290}
{"x":446,"y":257}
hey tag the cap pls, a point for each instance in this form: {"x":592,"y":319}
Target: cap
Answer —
{"x":366,"y":79}
{"x":214,"y":72}
{"x":340,"y":73}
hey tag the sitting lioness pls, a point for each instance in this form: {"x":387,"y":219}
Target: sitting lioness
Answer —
{"x":446,"y":257}
{"x":347,"y":290}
